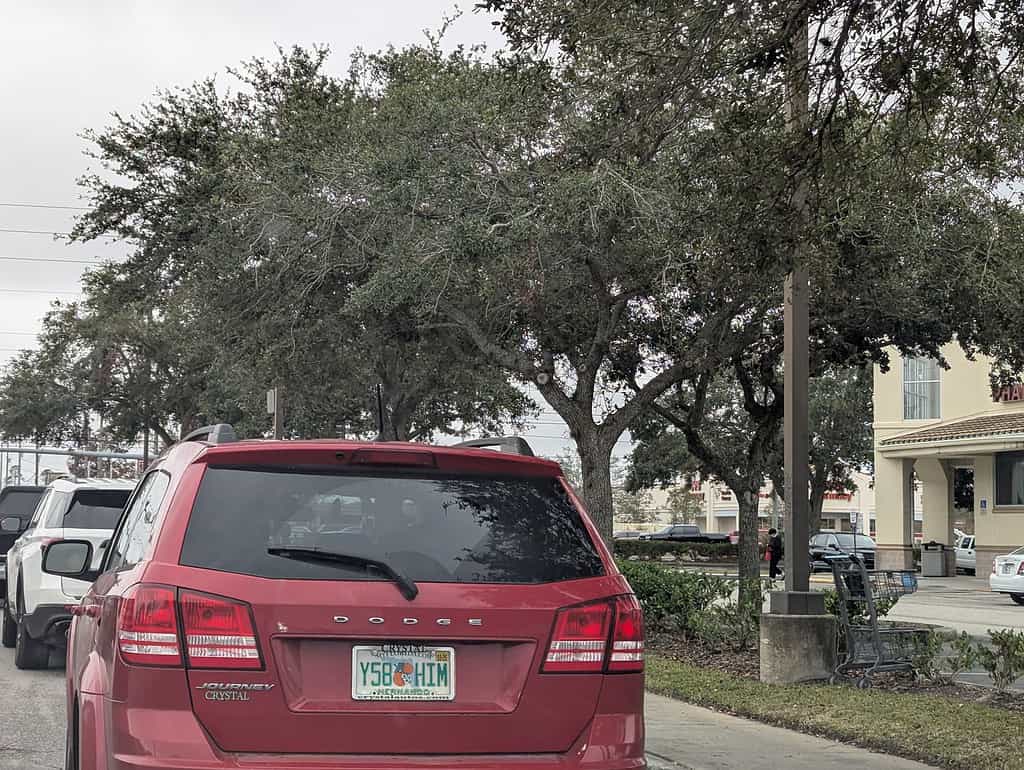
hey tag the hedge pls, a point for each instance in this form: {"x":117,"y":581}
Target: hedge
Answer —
{"x":655,"y":549}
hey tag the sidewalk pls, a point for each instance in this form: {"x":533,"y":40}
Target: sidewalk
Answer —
{"x":683,"y":736}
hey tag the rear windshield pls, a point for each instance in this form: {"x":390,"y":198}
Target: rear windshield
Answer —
{"x":862,"y":541}
{"x":95,"y":509}
{"x":437,"y":529}
{"x":19,"y":503}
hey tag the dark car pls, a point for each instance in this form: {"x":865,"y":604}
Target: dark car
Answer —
{"x":17,"y":503}
{"x":825,"y":544}
{"x":473,"y":617}
{"x":687,"y":533}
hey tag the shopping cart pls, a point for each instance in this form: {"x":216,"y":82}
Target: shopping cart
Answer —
{"x":871,"y":647}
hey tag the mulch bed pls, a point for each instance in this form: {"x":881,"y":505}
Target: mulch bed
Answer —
{"x":747,"y":664}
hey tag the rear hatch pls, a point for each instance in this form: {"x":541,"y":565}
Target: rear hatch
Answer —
{"x":92,"y":515}
{"x":339,"y":658}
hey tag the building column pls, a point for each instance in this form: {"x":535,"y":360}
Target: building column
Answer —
{"x":937,"y":506}
{"x":986,"y":535}
{"x":894,"y":512}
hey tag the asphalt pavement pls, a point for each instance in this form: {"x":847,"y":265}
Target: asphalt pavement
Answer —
{"x":31,"y":717}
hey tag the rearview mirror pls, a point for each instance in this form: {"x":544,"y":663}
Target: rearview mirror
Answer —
{"x":68,"y":558}
{"x":10,"y":524}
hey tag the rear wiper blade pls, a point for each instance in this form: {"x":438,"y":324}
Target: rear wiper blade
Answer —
{"x":405,"y":584}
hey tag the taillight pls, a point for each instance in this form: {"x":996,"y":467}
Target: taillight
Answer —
{"x":602,"y":636}
{"x":627,"y":653}
{"x":579,"y":640}
{"x":1020,"y":568}
{"x":219,"y":632}
{"x":147,"y":627}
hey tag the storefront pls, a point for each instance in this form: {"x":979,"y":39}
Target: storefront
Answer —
{"x":948,"y":431}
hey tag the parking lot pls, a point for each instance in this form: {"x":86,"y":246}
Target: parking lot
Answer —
{"x":32,"y":715}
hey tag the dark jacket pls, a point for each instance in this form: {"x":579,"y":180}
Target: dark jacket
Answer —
{"x":776,"y":545}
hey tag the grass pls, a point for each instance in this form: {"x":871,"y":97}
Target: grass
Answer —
{"x":927,"y":728}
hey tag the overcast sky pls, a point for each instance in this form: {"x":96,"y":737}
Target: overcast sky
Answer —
{"x":66,"y":65}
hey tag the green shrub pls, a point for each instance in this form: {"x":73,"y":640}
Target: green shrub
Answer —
{"x":655,"y":549}
{"x":728,"y":623}
{"x":1004,"y":660}
{"x":926,"y":655}
{"x":964,"y":655}
{"x":671,"y":599}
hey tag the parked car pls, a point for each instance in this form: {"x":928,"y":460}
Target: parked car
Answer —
{"x":734,"y":537}
{"x":966,"y":560}
{"x":825,"y":544}
{"x":687,"y":533}
{"x":627,"y":534}
{"x":1008,"y":575}
{"x":36,"y":618}
{"x":16,"y":506}
{"x":481,"y":598}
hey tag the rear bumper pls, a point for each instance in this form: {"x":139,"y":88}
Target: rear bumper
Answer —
{"x":157,"y":739}
{"x":49,"y":623}
{"x":1007,"y":584}
{"x":318,"y":762}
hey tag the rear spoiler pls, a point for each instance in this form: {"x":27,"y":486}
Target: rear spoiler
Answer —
{"x":513,"y":445}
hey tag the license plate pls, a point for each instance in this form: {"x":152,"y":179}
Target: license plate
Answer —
{"x":403,"y":672}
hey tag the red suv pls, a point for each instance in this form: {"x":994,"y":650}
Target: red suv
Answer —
{"x":340,"y":606}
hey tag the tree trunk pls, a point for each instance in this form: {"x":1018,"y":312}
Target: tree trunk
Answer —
{"x":596,"y":466}
{"x":819,"y":485}
{"x":749,"y":561}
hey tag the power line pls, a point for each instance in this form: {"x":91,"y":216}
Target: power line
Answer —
{"x":43,"y":206}
{"x":39,"y":291}
{"x":53,"y":259}
{"x":31,"y":232}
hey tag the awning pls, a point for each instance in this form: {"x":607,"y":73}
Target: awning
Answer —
{"x":984,"y":431}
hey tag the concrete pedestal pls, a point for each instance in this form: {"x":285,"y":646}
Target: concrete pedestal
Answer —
{"x":894,"y":557}
{"x":797,"y":648}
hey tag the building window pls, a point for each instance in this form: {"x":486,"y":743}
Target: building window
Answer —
{"x":1010,"y":478}
{"x":920,"y":388}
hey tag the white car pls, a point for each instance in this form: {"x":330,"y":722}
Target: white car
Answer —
{"x":1008,"y":575}
{"x":36,"y":617}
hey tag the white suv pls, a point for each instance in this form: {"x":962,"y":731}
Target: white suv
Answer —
{"x":37,"y":617}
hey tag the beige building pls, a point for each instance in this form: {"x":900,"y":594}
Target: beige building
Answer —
{"x":716,"y":510}
{"x":931,"y":425}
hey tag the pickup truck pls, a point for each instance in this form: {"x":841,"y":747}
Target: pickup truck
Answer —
{"x":687,"y":533}
{"x":966,"y":559}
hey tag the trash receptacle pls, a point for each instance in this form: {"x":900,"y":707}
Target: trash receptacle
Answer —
{"x":933,"y":560}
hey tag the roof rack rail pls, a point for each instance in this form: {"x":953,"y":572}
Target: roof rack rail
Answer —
{"x":221,"y":433}
{"x":513,"y":445}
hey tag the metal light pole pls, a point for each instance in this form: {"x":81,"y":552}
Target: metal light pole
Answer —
{"x":797,"y":363}
{"x":797,"y":599}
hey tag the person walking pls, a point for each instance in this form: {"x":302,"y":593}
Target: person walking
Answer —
{"x":774,"y":553}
